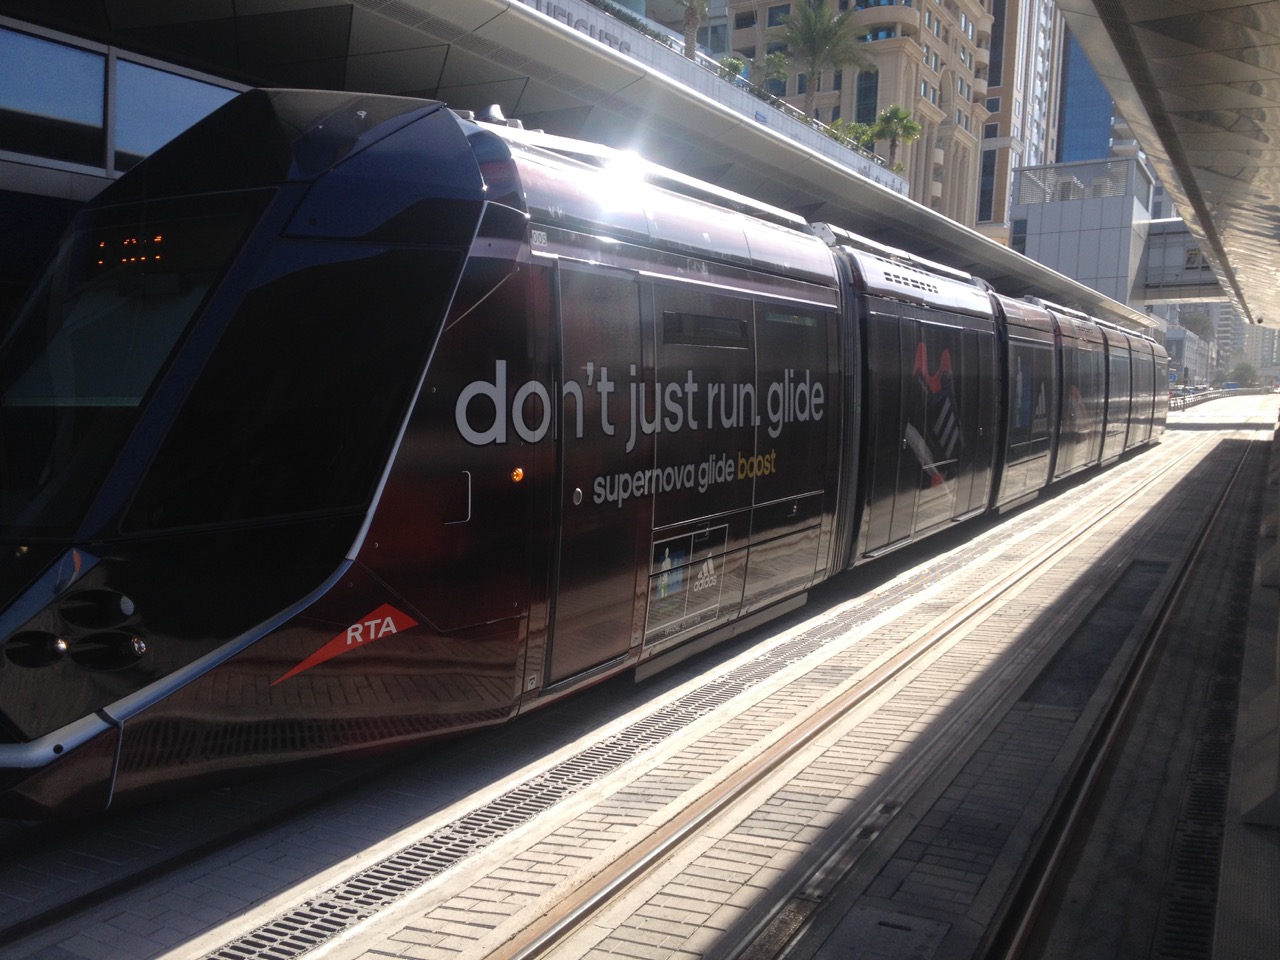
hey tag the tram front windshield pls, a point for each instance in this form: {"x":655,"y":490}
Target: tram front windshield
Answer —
{"x":92,"y":341}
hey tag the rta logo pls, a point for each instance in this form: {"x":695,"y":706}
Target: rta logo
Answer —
{"x":385,"y":621}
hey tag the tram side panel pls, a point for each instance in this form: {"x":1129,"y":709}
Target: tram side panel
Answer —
{"x":701,"y":524}
{"x":1160,"y":411}
{"x":1083,"y":394}
{"x":1143,"y":393}
{"x":602,"y":510}
{"x":1031,"y":401}
{"x":793,"y":487}
{"x":1119,"y":395}
{"x":928,"y":405}
{"x":929,"y":422}
{"x":1150,"y":391}
{"x":978,"y":395}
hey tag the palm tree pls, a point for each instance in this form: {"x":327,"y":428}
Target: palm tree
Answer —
{"x":818,"y":40}
{"x":695,"y":11}
{"x":897,"y":126}
{"x":767,"y":69}
{"x":850,"y":131}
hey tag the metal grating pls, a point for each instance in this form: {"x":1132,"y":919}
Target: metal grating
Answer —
{"x":362,"y":895}
{"x":1185,"y":930}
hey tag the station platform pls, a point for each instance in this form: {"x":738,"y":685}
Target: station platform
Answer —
{"x":1247,"y":920}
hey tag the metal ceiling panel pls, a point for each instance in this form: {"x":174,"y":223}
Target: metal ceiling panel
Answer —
{"x":1199,"y":83}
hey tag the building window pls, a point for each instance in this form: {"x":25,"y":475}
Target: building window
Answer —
{"x":1018,"y":235}
{"x":744,"y":20}
{"x":714,"y":39}
{"x":51,"y":99}
{"x":990,"y":131}
{"x":987,"y":186}
{"x":777,"y":16}
{"x":837,"y":80}
{"x":154,"y":106}
{"x":55,"y":98}
{"x":868,"y":88}
{"x":995,"y":69}
{"x":802,"y":83}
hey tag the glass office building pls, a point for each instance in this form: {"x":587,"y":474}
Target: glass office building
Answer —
{"x":1084,"y":120}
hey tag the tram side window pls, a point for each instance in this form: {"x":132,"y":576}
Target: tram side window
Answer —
{"x":1121,"y":378}
{"x":1031,"y":376}
{"x":707,"y":331}
{"x":792,"y":357}
{"x":705,"y":400}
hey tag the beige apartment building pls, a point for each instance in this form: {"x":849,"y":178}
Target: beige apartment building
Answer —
{"x":932,"y":58}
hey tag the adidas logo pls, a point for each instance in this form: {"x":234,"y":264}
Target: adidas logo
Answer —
{"x":706,"y":576}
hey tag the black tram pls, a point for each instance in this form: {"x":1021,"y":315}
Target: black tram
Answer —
{"x":344,"y":421}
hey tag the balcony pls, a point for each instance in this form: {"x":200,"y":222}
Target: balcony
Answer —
{"x":983,"y":23}
{"x":905,"y":20}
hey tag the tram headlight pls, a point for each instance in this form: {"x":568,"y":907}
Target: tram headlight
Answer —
{"x":96,"y":609}
{"x":95,"y":628}
{"x":35,"y":648}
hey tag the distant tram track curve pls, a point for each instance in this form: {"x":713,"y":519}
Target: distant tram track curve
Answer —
{"x":345,"y":421}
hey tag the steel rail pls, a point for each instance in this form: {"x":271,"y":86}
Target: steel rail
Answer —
{"x":1026,"y":903}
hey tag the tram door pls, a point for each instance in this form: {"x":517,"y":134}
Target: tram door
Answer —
{"x":597,"y":613}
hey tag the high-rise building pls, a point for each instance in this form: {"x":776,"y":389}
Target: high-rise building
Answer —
{"x":931,"y":59}
{"x":1085,"y":110}
{"x":1022,"y":102}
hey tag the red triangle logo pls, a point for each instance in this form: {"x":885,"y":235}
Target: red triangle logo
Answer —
{"x":383,"y":622}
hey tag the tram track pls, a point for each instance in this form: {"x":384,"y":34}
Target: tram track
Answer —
{"x":555,"y":926}
{"x":1014,"y":933}
{"x":541,"y":938}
